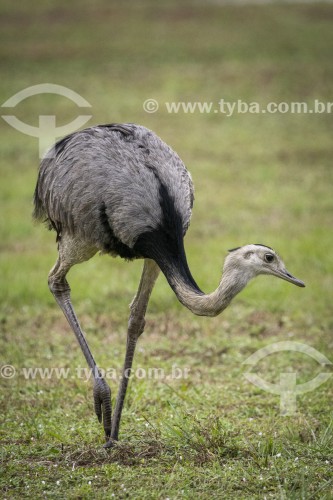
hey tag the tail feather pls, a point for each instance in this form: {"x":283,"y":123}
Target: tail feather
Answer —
{"x":41,"y":198}
{"x":39,"y":212}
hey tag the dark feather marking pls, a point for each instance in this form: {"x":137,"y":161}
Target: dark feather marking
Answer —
{"x":147,"y":150}
{"x":255,"y":244}
{"x":125,"y":129}
{"x":261,"y":245}
{"x":234,"y":249}
{"x":113,"y":244}
{"x":56,"y":226}
{"x":60,"y":145}
{"x":165,"y":244}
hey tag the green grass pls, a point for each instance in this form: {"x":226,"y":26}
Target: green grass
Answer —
{"x":258,"y":178}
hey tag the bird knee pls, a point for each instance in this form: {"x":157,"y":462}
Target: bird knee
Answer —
{"x":136,"y":326}
{"x":58,"y":285}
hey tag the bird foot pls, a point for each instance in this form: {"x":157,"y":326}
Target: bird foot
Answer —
{"x":102,"y":404}
{"x":110,"y":443}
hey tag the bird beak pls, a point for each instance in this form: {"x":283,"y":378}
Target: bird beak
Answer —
{"x":283,"y":274}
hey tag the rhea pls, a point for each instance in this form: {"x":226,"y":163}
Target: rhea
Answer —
{"x":120,"y":190}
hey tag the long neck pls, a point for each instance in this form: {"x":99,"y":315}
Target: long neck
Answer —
{"x":188,"y":293}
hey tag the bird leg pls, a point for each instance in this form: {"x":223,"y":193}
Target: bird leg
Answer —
{"x":61,"y":291}
{"x":136,"y":326}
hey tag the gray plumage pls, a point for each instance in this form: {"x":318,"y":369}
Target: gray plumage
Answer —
{"x":119,"y":189}
{"x":120,"y":166}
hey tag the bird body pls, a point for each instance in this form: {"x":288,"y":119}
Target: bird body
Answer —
{"x":111,"y":184}
{"x":119,"y":189}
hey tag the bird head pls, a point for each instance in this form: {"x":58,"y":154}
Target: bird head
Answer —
{"x":256,"y":259}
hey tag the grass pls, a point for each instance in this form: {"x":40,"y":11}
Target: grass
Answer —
{"x":259,"y":178}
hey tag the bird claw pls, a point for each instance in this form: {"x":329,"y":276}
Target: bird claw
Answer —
{"x":102,"y":404}
{"x":109,"y":444}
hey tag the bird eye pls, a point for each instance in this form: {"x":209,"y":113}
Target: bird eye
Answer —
{"x":269,"y":257}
